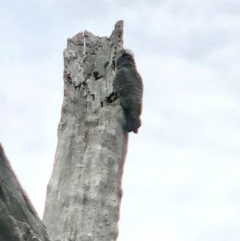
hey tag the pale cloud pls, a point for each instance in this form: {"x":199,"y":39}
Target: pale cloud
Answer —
{"x":166,"y":235}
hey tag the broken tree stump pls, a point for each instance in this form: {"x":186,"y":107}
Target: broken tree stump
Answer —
{"x":84,"y":191}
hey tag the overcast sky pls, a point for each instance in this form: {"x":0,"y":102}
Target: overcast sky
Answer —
{"x":182,"y":174}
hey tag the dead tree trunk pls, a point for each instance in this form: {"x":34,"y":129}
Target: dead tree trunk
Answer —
{"x":18,"y":219}
{"x":84,"y":192}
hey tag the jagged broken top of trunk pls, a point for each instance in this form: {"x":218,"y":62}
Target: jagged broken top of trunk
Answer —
{"x":89,"y":69}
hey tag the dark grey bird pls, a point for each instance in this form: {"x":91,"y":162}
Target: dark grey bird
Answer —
{"x":128,"y":87}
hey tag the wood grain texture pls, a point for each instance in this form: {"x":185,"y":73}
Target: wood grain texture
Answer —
{"x":18,"y":219}
{"x":84,"y":192}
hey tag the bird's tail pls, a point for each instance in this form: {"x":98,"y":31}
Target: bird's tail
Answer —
{"x":133,"y":121}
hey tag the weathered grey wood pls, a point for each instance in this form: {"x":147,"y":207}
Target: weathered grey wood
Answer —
{"x":18,"y":219}
{"x":84,"y":192}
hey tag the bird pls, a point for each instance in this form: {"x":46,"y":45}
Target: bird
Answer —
{"x":128,"y":87}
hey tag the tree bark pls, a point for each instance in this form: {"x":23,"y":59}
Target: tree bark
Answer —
{"x":18,"y":219}
{"x":84,"y":191}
